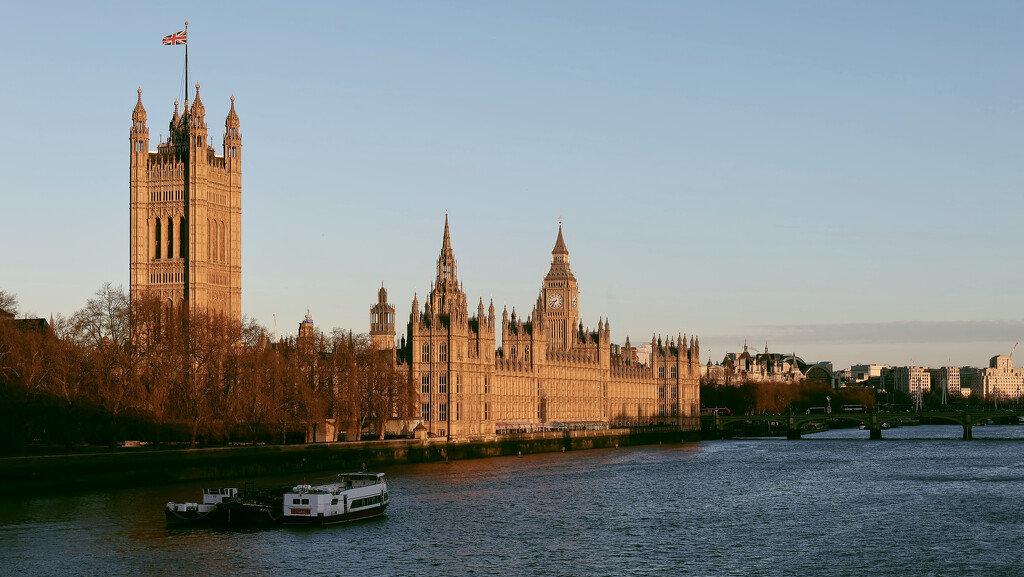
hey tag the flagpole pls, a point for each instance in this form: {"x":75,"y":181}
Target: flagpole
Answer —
{"x":186,"y":63}
{"x":187,"y":198}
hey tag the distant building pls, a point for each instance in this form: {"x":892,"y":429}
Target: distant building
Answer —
{"x":914,"y":381}
{"x":641,"y":354}
{"x":970,"y":381}
{"x":307,"y":333}
{"x":1001,"y":381}
{"x":946,"y":380}
{"x":861,"y":373}
{"x":744,"y":367}
{"x":38,"y":325}
{"x":766,"y":367}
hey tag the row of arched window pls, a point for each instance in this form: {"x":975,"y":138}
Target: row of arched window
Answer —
{"x":163,"y":235}
{"x":163,"y":238}
{"x":382,"y":318}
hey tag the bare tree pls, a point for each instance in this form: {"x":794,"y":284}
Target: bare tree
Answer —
{"x":105,"y":317}
{"x":8,"y":303}
{"x":208,"y":338}
{"x":155,"y":349}
{"x":382,"y":388}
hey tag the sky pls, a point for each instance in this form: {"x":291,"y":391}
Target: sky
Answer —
{"x":840,"y":179}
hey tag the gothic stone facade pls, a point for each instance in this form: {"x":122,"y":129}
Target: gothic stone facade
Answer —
{"x":549,"y":371}
{"x":186,"y":212}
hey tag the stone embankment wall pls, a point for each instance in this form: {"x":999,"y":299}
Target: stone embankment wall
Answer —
{"x":154,"y":467}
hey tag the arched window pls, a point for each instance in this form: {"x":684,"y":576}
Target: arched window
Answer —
{"x":182,"y":237}
{"x":170,"y":238}
{"x":223,"y":243}
{"x":159,"y":242}
{"x":442,"y":353}
{"x":209,"y":240}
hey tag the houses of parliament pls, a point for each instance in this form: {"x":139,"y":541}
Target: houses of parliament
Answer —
{"x":549,"y":371}
{"x":185,"y":228}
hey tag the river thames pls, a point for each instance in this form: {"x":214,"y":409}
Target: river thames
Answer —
{"x":831,"y":504}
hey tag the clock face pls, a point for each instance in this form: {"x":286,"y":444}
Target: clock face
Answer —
{"x":555,"y":301}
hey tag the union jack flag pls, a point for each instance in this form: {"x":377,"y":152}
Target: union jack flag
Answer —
{"x":176,"y":38}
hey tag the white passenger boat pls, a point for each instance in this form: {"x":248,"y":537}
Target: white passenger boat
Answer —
{"x":200,"y":513}
{"x":351,"y":496}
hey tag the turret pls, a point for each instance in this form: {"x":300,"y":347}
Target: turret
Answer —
{"x":138,"y":178}
{"x":197,"y":130}
{"x":306,"y":333}
{"x":176,"y":127}
{"x":232,"y":140}
{"x":382,"y":322}
{"x":138,"y":139}
{"x":140,"y":132}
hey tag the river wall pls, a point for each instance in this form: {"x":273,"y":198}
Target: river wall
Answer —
{"x":143,"y":466}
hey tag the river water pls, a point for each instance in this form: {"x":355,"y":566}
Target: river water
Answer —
{"x":921,"y":502}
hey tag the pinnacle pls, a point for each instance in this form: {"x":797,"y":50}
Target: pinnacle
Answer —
{"x":140,"y":112}
{"x":232,"y":119}
{"x":446,"y":244}
{"x":560,"y":243}
{"x":197,"y":104}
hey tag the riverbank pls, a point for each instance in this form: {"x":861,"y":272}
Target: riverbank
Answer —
{"x":79,"y":472}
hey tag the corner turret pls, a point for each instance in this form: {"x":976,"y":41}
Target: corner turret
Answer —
{"x":382,"y":322}
{"x":140,"y":132}
{"x":232,"y":140}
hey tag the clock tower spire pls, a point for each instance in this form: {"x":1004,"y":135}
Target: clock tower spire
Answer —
{"x":561,"y":296}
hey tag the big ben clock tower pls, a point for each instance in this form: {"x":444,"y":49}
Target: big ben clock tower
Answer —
{"x":561,"y":298}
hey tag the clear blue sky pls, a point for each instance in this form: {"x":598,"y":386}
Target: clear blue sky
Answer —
{"x":840,"y":179}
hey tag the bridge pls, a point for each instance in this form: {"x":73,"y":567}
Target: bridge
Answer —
{"x":796,"y":423}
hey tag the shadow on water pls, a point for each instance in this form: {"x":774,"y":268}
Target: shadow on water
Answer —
{"x":223,"y":529}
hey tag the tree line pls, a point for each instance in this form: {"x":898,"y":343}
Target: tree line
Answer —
{"x":772,"y":397}
{"x":138,"y":369}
